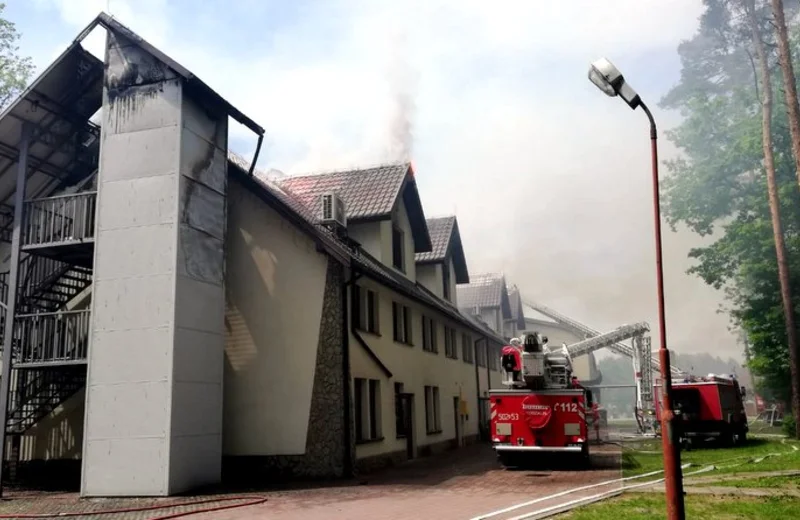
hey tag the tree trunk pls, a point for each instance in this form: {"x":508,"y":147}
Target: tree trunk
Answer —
{"x":774,"y":202}
{"x":789,"y":83}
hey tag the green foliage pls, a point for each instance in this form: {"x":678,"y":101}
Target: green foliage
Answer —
{"x":789,"y":425}
{"x":718,"y":187}
{"x":15,"y":70}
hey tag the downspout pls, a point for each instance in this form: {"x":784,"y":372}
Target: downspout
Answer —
{"x":488,"y":370}
{"x":348,"y":422}
{"x":255,"y":157}
{"x":477,"y":379}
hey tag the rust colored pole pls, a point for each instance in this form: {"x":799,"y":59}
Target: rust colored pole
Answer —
{"x":672,"y":455}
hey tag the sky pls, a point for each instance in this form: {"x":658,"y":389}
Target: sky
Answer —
{"x":549,"y":178}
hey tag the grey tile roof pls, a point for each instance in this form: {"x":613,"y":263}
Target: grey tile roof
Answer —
{"x":441,"y":230}
{"x":485,"y":290}
{"x":367,"y":193}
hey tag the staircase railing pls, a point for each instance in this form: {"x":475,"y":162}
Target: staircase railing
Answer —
{"x":63,"y":218}
{"x":51,"y":337}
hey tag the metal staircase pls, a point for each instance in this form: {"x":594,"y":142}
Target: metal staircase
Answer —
{"x":37,"y":392}
{"x":49,"y":346}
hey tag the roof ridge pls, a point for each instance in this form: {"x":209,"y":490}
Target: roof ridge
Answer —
{"x":374,"y":166}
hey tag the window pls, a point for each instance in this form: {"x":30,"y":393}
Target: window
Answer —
{"x":481,"y":354}
{"x":433,"y":422}
{"x":446,"y":281}
{"x":399,"y":412}
{"x":398,"y":253}
{"x":401,"y":319}
{"x":450,"y":345}
{"x":366,"y":312}
{"x":368,"y":409}
{"x":429,"y":335}
{"x":466,"y":348}
{"x":494,"y":356}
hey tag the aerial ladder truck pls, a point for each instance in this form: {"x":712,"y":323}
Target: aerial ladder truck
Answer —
{"x":544,"y":408}
{"x":640,"y":353}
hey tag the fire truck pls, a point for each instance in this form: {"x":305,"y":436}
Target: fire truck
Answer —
{"x":544,"y":408}
{"x":708,"y":407}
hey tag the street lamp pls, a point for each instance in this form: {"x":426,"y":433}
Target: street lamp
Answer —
{"x":609,"y":79}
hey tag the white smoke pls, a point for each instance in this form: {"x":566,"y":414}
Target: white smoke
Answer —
{"x":402,"y":78}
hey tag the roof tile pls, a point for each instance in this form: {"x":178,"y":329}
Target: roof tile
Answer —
{"x":367,"y":193}
{"x":441,"y":230}
{"x":484,"y":290}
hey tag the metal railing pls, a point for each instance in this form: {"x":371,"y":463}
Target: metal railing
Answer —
{"x":64,"y":218}
{"x":51,"y":337}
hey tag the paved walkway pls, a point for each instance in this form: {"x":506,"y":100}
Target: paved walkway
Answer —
{"x":455,"y":486}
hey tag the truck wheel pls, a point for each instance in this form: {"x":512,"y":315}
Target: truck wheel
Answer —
{"x":741,"y":438}
{"x":726,"y":438}
{"x":586,"y":459}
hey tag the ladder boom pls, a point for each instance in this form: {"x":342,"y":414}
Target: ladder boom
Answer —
{"x":589,"y":332}
{"x":607,"y":339}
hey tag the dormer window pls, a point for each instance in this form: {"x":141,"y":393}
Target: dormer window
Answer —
{"x":398,"y":252}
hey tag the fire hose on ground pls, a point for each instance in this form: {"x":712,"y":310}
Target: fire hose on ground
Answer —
{"x":579,"y":502}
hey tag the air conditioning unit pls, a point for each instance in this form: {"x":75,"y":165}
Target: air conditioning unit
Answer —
{"x":332,"y":210}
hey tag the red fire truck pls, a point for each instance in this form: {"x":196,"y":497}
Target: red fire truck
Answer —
{"x":543,"y":410}
{"x":708,"y":407}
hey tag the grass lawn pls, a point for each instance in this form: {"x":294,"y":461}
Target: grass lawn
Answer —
{"x":653,"y":506}
{"x":635,"y":463}
{"x":788,"y":483}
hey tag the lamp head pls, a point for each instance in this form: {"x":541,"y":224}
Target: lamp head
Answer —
{"x":609,"y":79}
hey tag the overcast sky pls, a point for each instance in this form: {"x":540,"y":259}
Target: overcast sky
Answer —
{"x":549,"y":177}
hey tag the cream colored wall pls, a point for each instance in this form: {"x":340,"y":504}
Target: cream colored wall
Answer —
{"x":368,"y":234}
{"x":430,"y":276}
{"x":275,"y":281}
{"x":416,"y":369}
{"x":57,"y":436}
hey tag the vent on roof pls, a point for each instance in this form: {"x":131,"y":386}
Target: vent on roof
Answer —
{"x":332,"y":211}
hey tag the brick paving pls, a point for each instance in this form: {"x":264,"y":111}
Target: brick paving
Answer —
{"x":457,"y":485}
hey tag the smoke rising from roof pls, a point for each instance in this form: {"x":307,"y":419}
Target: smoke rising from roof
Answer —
{"x":402,"y":82}
{"x":550,"y":177}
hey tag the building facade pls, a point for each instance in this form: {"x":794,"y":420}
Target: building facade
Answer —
{"x":177,"y":318}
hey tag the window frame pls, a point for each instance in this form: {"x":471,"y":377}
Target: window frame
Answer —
{"x":398,"y":248}
{"x":450,"y":342}
{"x":367,"y":315}
{"x":433,"y":416}
{"x":401,"y":324}
{"x":429,"y":343}
{"x":467,"y":346}
{"x":367,"y":408}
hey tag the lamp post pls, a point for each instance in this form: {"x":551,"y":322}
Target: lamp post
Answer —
{"x":610,"y":80}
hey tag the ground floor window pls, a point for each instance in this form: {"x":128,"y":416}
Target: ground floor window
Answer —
{"x":368,"y":409}
{"x":433,"y":420}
